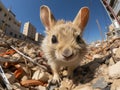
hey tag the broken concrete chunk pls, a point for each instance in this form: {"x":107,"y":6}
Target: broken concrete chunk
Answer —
{"x":111,"y":61}
{"x":100,"y":83}
{"x":115,"y":85}
{"x":40,"y":88}
{"x":114,"y":70}
{"x":11,"y":77}
{"x":16,"y":55}
{"x":117,"y":54}
{"x":17,"y":86}
{"x":83,"y":87}
{"x":40,"y":75}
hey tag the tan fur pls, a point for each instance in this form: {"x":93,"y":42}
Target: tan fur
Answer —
{"x":66,"y":34}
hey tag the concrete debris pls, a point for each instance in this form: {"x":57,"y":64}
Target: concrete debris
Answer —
{"x":83,"y":87}
{"x":100,"y":83}
{"x":114,"y":70}
{"x":115,"y":85}
{"x":43,"y":76}
{"x":26,"y":68}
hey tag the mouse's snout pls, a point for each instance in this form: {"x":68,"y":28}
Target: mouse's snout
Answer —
{"x":67,"y":53}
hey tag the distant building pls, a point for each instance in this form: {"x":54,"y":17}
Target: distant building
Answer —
{"x":8,"y":22}
{"x":115,"y":4}
{"x":113,"y":9}
{"x":29,"y":30}
{"x":39,"y":37}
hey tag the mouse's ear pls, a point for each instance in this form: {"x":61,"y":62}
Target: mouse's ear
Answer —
{"x":82,"y":18}
{"x":47,"y":17}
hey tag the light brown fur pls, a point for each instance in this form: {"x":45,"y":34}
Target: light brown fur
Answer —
{"x":66,"y":52}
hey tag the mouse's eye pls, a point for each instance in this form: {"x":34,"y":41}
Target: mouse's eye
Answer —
{"x":54,"y":39}
{"x":79,"y":40}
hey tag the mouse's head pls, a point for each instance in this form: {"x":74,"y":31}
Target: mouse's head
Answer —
{"x":63,"y":40}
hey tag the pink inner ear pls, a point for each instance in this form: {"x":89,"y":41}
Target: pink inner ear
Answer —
{"x":47,"y":17}
{"x":44,"y":18}
{"x":44,"y":15}
{"x":84,"y":15}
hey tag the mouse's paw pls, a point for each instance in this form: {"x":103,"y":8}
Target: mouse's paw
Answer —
{"x":56,"y":79}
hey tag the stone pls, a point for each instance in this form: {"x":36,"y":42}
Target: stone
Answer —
{"x":16,"y":55}
{"x":41,"y":88}
{"x":52,"y":87}
{"x":6,"y":56}
{"x":17,"y":86}
{"x":117,"y":53}
{"x":25,"y":50}
{"x":100,"y":83}
{"x":29,"y":51}
{"x":107,"y":88}
{"x":103,"y":69}
{"x":83,"y":87}
{"x":114,"y":70}
{"x":111,"y":61}
{"x":10,"y":76}
{"x":114,"y":50}
{"x":63,"y":88}
{"x":24,"y":78}
{"x":36,"y":75}
{"x":97,"y":56}
{"x":115,"y":85}
{"x":40,"y":75}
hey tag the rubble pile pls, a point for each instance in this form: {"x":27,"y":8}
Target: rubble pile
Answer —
{"x":23,"y":67}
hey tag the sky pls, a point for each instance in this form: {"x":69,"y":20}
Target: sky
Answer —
{"x":29,"y":10}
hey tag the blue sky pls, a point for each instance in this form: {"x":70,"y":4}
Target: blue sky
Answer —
{"x":28,"y":10}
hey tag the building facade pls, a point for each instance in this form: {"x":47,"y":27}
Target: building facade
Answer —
{"x":115,"y":4}
{"x":39,"y":37}
{"x":113,"y":9}
{"x":8,"y":22}
{"x":29,"y":31}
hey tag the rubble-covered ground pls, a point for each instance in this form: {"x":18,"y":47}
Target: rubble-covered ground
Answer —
{"x":25,"y":67}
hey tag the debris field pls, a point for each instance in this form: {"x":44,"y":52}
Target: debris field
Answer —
{"x":24,"y":67}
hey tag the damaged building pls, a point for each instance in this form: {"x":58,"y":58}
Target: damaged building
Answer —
{"x":112,"y":7}
{"x":8,"y":22}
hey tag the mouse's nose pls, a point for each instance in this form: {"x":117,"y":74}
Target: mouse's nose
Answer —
{"x":67,"y":53}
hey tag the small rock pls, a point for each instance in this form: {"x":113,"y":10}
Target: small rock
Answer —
{"x":83,"y":87}
{"x":6,"y":56}
{"x":117,"y":53}
{"x":10,"y":76}
{"x":107,"y":88}
{"x":114,"y":50}
{"x":63,"y":88}
{"x":115,"y":85}
{"x":97,"y":56}
{"x":103,"y":69}
{"x":40,"y":75}
{"x":114,"y":70}
{"x":100,"y":83}
{"x":52,"y":87}
{"x":30,"y":51}
{"x":111,"y":61}
{"x":26,"y":49}
{"x":17,"y":86}
{"x":16,"y":55}
{"x":41,"y":88}
{"x":24,"y":78}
